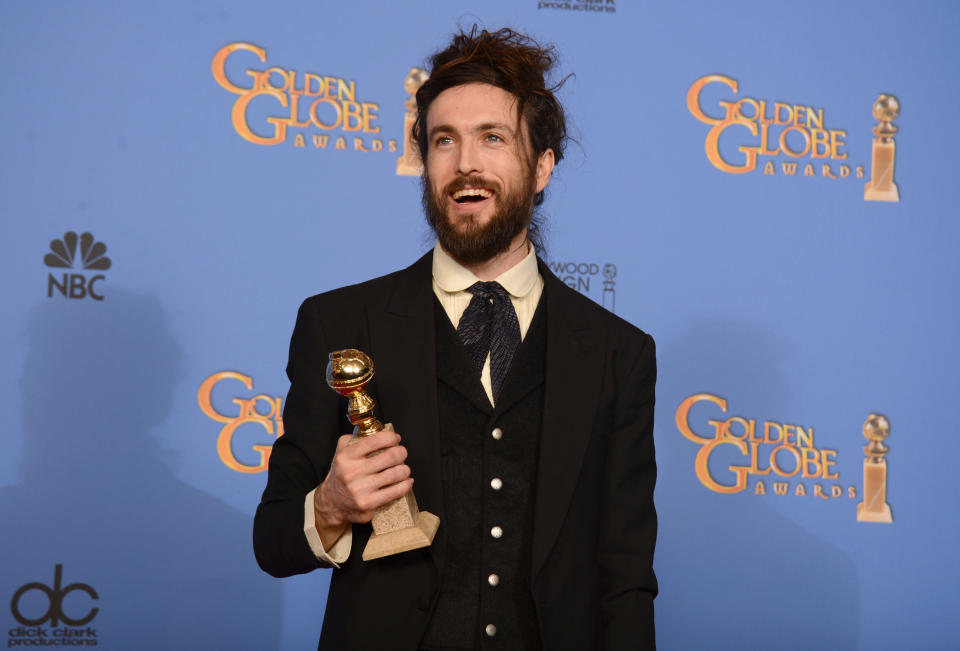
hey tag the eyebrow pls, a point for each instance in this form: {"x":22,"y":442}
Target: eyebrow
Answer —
{"x":486,"y":126}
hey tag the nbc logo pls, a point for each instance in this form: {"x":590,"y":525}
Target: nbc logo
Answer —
{"x":63,"y":255}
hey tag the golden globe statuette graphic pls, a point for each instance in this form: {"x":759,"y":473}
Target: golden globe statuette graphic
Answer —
{"x":881,"y":187}
{"x":409,"y":163}
{"x":398,"y":526}
{"x":609,"y":291}
{"x":874,"y":507}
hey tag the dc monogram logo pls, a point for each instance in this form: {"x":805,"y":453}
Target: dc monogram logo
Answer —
{"x":55,"y":596}
{"x":63,"y":255}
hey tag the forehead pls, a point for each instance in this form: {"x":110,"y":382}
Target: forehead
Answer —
{"x":469,"y":105}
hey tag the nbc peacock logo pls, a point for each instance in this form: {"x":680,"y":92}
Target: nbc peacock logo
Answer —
{"x":63,"y":255}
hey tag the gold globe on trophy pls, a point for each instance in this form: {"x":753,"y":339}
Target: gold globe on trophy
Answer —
{"x":400,"y":525}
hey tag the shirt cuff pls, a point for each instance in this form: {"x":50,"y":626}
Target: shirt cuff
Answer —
{"x":339,"y":551}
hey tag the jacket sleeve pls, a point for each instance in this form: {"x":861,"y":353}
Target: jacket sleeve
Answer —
{"x":628,"y":519}
{"x":301,"y":457}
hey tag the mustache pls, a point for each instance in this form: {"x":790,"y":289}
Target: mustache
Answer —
{"x":464,"y":182}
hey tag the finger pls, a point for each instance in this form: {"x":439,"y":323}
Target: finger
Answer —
{"x":355,"y":472}
{"x":369,"y":444}
{"x":390,"y":476}
{"x":344,"y":441}
{"x":384,"y":459}
{"x":392,"y":492}
{"x":368,"y":486}
{"x":384,"y":496}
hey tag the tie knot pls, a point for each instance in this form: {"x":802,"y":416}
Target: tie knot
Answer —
{"x":490,"y":290}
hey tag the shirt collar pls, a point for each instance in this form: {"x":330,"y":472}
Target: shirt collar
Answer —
{"x":453,"y":277}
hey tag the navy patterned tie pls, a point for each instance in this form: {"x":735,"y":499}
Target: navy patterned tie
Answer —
{"x":490,"y":325}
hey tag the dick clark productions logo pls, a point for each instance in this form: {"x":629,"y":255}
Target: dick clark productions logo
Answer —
{"x":37,"y":628}
{"x":63,"y":255}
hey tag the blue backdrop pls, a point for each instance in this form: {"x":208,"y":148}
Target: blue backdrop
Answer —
{"x":139,"y":389}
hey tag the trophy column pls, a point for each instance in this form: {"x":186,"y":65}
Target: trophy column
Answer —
{"x":400,"y":525}
{"x":409,"y":163}
{"x":609,"y":291}
{"x":874,"y":507}
{"x":881,"y":187}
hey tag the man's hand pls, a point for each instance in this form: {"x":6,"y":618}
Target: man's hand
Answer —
{"x":359,"y":483}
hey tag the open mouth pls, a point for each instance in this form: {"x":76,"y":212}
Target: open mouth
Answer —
{"x":467,"y":196}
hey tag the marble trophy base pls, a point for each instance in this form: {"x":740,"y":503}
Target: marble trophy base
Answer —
{"x":890,"y":194}
{"x":881,"y":515}
{"x":400,"y":526}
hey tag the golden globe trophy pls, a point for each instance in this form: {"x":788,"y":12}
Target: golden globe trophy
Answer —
{"x":874,"y":507}
{"x":881,"y":187}
{"x":409,"y":163}
{"x":398,"y":526}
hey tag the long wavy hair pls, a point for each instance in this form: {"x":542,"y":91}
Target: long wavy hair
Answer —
{"x":513,"y":62}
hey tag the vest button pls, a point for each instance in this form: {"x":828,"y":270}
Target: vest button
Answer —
{"x":490,"y":630}
{"x":496,"y":532}
{"x":497,"y":433}
{"x":493,"y":580}
{"x":496,"y":483}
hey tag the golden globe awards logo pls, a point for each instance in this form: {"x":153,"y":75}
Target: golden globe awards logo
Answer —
{"x":254,"y":415}
{"x":63,"y":255}
{"x":771,"y":131}
{"x":308,"y":109}
{"x":769,"y":451}
{"x":787,"y":139}
{"x":40,"y":609}
{"x":779,"y":458}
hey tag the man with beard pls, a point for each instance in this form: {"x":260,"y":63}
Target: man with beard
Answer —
{"x":525,"y":410}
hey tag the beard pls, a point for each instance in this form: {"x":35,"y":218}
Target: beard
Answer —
{"x":467,"y":241}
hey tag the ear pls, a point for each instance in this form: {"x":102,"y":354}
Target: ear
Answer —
{"x":544,"y":169}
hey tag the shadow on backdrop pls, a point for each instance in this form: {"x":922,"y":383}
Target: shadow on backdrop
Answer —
{"x":705,"y":537}
{"x":172,"y":566}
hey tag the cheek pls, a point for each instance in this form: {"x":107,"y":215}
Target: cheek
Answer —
{"x":437,"y":172}
{"x":508,"y":166}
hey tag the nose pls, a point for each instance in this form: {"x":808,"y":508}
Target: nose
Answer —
{"x":468,"y":158}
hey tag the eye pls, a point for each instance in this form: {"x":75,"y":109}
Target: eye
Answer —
{"x":443,"y":140}
{"x":492,"y":137}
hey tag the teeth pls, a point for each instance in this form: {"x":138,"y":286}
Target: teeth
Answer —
{"x":472,"y":192}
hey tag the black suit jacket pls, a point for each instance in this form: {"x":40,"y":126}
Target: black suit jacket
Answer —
{"x":594,"y":525}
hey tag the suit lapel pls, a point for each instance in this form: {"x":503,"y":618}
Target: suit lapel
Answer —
{"x":458,"y":372}
{"x":527,"y":368}
{"x":404,"y":353}
{"x":574,"y":364}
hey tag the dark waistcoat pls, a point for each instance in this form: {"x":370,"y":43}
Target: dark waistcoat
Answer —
{"x":489,"y":464}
